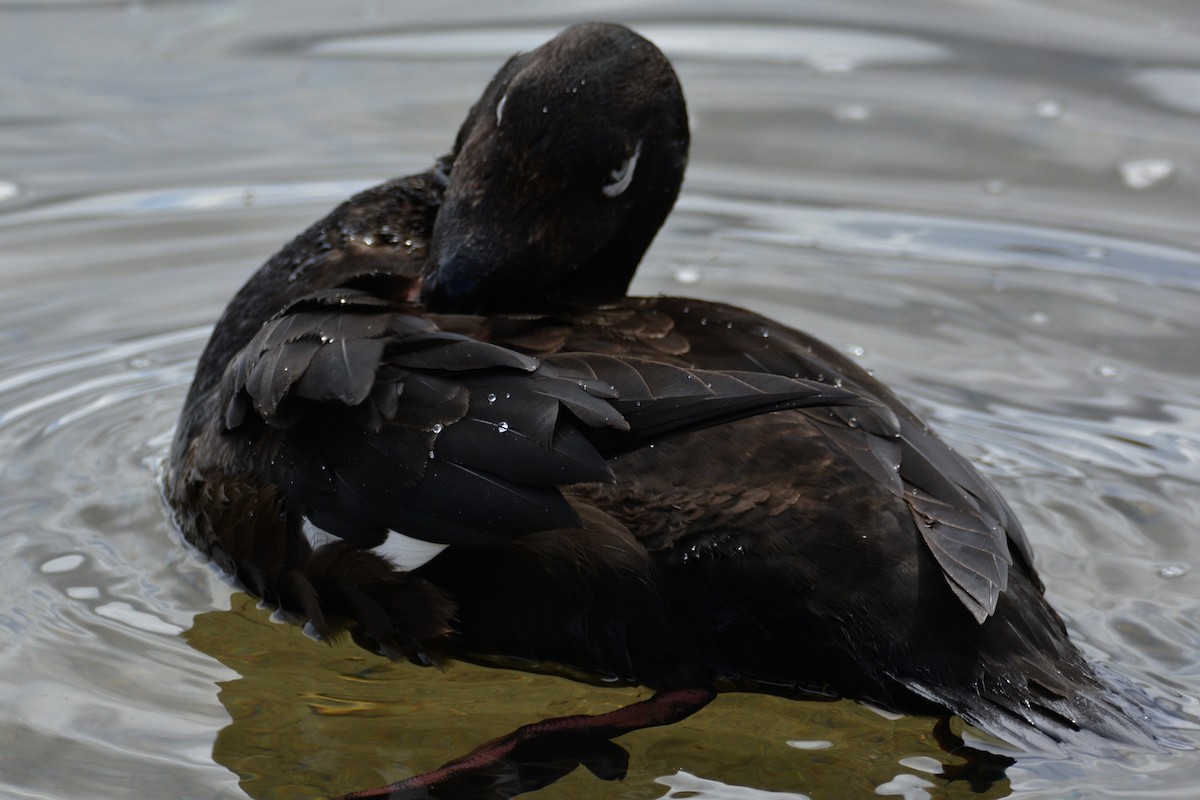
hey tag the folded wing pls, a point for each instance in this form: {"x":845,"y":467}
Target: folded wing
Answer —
{"x":387,"y":422}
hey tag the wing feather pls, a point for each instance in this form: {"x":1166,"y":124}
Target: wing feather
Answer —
{"x":389,"y":423}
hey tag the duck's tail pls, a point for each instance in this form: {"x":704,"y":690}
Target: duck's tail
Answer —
{"x":1029,"y":685}
{"x":1051,"y":715}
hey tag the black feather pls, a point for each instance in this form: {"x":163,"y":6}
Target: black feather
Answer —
{"x":342,"y":370}
{"x":276,"y":371}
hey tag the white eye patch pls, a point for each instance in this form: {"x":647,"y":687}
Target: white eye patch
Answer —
{"x":621,"y":177}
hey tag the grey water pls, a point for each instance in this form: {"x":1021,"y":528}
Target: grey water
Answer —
{"x":993,"y":205}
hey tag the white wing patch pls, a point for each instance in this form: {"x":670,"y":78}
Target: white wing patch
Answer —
{"x":402,"y":552}
{"x":317,"y":537}
{"x":407,"y":553}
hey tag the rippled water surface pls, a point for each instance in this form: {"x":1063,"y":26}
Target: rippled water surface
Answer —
{"x":994,"y":205}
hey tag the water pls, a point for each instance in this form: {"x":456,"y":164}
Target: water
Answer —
{"x":992,"y":205}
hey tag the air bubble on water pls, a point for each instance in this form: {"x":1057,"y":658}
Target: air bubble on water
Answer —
{"x":809,"y":744}
{"x":687,"y":275}
{"x":834,"y":62}
{"x":1172,"y":571}
{"x":1107,"y":371}
{"x":852,"y":112}
{"x":63,"y":563}
{"x":922,"y":764}
{"x":856,"y":350}
{"x":491,"y":398}
{"x":1146,"y":173}
{"x":437,"y":427}
{"x":128,"y":615}
{"x":1049,"y":108}
{"x":502,"y":427}
{"x":888,"y":715}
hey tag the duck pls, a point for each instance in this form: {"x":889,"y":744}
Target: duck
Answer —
{"x":436,"y":420}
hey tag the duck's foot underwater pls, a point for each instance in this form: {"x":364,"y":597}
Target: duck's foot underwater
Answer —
{"x":537,"y":755}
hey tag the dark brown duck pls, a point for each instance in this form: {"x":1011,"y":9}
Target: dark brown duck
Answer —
{"x":435,"y":419}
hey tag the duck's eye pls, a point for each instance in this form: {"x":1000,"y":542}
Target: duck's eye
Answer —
{"x":620,"y":178}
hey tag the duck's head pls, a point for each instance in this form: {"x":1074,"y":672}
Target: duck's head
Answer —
{"x":561,"y":175}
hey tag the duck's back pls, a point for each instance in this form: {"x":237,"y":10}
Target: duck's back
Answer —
{"x":841,"y":549}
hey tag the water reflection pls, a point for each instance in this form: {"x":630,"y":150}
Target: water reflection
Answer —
{"x":310,"y":720}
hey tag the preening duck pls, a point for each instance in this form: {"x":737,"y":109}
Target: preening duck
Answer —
{"x":435,"y":419}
